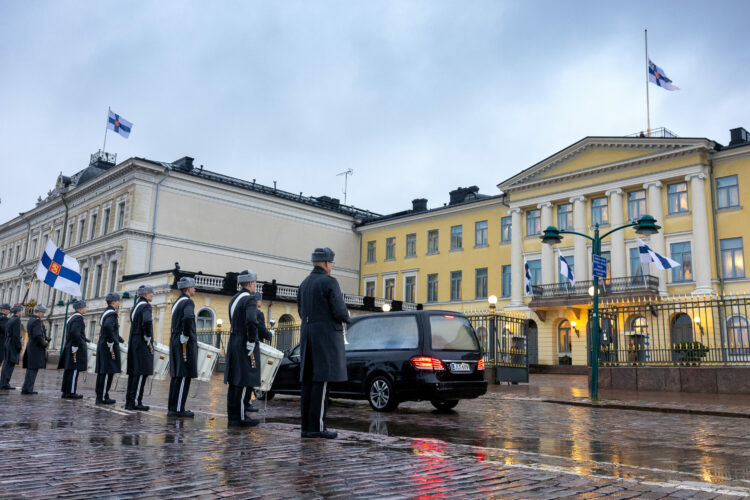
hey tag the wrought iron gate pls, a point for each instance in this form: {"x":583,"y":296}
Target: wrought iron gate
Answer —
{"x":504,"y":343}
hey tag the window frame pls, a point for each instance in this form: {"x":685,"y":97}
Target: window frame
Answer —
{"x":602,"y":211}
{"x":733,"y":252}
{"x":411,"y":245}
{"x":730,"y":189}
{"x":433,"y":241}
{"x":368,"y":282}
{"x":456,"y":286}
{"x":504,"y":226}
{"x":389,"y":292}
{"x":457,"y":237}
{"x":481,"y":233}
{"x":432,"y":287}
{"x":682,"y":266}
{"x":536,"y":219}
{"x":371,"y":246}
{"x":483,"y":284}
{"x":568,"y":214}
{"x":678,"y":195}
{"x":637,"y":202}
{"x":503,"y":280}
{"x":564,"y":325}
{"x":390,"y":248}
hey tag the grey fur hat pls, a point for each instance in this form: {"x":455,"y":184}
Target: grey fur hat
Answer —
{"x":185,"y":282}
{"x":40,"y":308}
{"x":322,"y":255}
{"x":144,"y":289}
{"x":112,"y":297}
{"x":247,"y":276}
{"x":79,"y":304}
{"x":16,"y":308}
{"x":5,"y":307}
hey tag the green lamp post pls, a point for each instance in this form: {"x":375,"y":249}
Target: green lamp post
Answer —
{"x":645,"y":226}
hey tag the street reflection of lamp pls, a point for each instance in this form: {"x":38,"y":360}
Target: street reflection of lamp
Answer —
{"x":697,"y":320}
{"x":574,"y":325}
{"x":386,"y":307}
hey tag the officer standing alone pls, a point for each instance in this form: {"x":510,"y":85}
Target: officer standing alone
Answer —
{"x":74,"y":357}
{"x":13,"y":346}
{"x":140,"y":349}
{"x":322,"y":311}
{"x":108,"y":361}
{"x":4,"y":310}
{"x":35,"y":356}
{"x":183,"y":349}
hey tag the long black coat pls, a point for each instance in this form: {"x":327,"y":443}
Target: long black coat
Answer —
{"x":240,"y":369}
{"x":75,"y":336}
{"x":3,"y":336}
{"x":140,"y":350}
{"x":183,"y":323}
{"x":109,"y":331}
{"x":35,"y":356}
{"x":13,"y":343}
{"x":322,"y":311}
{"x":263,"y":332}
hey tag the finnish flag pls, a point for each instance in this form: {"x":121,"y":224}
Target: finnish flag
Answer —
{"x":527,"y":276}
{"x":565,"y":269}
{"x":119,"y":124}
{"x":657,"y":77}
{"x":648,"y":255}
{"x":59,"y":270}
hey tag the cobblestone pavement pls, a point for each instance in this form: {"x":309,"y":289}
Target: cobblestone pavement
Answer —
{"x":489,"y":447}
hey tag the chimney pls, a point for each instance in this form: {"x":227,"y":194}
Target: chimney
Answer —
{"x":739,"y":136}
{"x":419,"y":205}
{"x":185,"y":164}
{"x":460,"y":195}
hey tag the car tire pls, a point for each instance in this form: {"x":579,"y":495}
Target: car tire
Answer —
{"x":444,"y":405}
{"x":380,"y":394}
{"x":260,"y":395}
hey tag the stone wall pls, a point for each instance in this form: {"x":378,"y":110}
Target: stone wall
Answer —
{"x":708,"y":379}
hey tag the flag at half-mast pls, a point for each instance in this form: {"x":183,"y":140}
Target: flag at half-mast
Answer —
{"x":119,"y":124}
{"x":657,"y":77}
{"x":59,"y":270}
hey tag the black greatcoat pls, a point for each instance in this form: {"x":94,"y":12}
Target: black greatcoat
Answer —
{"x":109,"y":331}
{"x":13,"y":343}
{"x":75,"y":336}
{"x":183,"y":323}
{"x":322,"y":311}
{"x":263,"y":332}
{"x":3,"y":336}
{"x":140,"y":350}
{"x":36,"y":348}
{"x":243,"y":315}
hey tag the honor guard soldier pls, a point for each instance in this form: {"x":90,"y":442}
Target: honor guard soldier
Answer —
{"x":108,"y":361}
{"x":322,"y":310}
{"x":74,"y":357}
{"x":13,"y":346}
{"x":183,"y":349}
{"x":263,"y":334}
{"x":242,"y":371}
{"x":140,"y":349}
{"x":4,"y":311}
{"x":35,"y":356}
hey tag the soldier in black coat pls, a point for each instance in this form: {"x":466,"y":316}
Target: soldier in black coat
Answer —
{"x":322,"y":311}
{"x":183,"y":349}
{"x":4,"y":311}
{"x":74,"y":358}
{"x":242,"y":371}
{"x":108,"y":361}
{"x":35,"y":356}
{"x":140,"y":349}
{"x":13,"y":345}
{"x":263,"y":334}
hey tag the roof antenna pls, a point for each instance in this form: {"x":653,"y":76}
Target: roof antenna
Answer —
{"x":346,"y":175}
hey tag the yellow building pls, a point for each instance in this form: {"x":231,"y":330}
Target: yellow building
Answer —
{"x":456,"y":256}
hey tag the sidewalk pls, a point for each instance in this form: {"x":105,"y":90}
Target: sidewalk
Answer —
{"x":573,"y":390}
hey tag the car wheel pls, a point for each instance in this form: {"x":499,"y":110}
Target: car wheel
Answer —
{"x":260,"y":395}
{"x":444,"y":405}
{"x":380,"y":394}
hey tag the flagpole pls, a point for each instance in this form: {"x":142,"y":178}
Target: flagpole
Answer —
{"x":106,"y":127}
{"x":648,"y":107}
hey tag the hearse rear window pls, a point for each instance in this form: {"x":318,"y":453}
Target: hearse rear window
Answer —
{"x":393,"y":332}
{"x":452,"y":333}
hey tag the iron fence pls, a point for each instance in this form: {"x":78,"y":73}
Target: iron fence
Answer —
{"x":676,"y":331}
{"x":504,"y":344}
{"x":285,"y":337}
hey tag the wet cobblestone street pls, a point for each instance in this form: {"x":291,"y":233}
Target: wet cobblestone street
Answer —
{"x":499,"y":445}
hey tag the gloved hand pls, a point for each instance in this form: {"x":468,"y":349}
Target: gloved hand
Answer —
{"x":147,"y":340}
{"x":184,"y":339}
{"x":271,"y":331}
{"x":74,"y":349}
{"x":110,"y":345}
{"x":250,"y":348}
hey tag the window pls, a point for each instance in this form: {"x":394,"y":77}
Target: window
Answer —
{"x":505,"y":230}
{"x":92,"y":329}
{"x":432,"y":241}
{"x":105,"y":221}
{"x":69,"y":237}
{"x":681,"y":253}
{"x":732,"y":258}
{"x":535,"y":269}
{"x":81,"y":224}
{"x":96,"y":292}
{"x":565,"y":216}
{"x":639,"y":325}
{"x":570,"y":259}
{"x":384,"y":332}
{"x":480,"y":233}
{"x":204,"y":320}
{"x":410,"y":285}
{"x":506,"y":281}
{"x":608,"y":257}
{"x":2,"y":259}
{"x":739,"y":335}
{"x":480,"y":282}
{"x":727,"y":192}
{"x":112,"y":276}
{"x":390,"y":284}
{"x":120,"y":215}
{"x":92,"y":226}
{"x":84,"y":282}
{"x":411,"y":245}
{"x":57,"y":238}
{"x":432,"y":287}
{"x":677,"y":198}
{"x":370,"y":251}
{"x":599,"y":211}
{"x":564,"y":344}
{"x":456,"y":285}
{"x":452,"y":333}
{"x":636,"y":269}
{"x":390,"y":248}
{"x":18,"y":253}
{"x":636,"y":204}
{"x":533,"y":222}
{"x":33,"y":247}
{"x":369,"y":288}
{"x":457,"y":238}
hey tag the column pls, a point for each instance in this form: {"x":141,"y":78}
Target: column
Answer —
{"x":160,"y":337}
{"x":701,"y":249}
{"x":656,"y":241}
{"x":516,"y":258}
{"x":617,"y":239}
{"x":548,"y":253}
{"x":581,"y":266}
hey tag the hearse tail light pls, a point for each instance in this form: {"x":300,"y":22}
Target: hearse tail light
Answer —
{"x":480,"y":364}
{"x":427,"y":363}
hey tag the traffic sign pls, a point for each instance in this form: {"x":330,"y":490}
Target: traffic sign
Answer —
{"x":600,"y":266}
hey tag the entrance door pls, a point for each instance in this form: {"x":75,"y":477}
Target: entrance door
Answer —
{"x":682,"y":331}
{"x":532,"y":344}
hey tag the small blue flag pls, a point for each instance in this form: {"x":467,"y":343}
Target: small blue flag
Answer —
{"x":119,"y":124}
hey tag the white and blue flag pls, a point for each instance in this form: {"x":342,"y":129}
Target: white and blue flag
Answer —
{"x":119,"y":124}
{"x":527,"y":276}
{"x":648,"y":255}
{"x":565,"y":269}
{"x":657,"y":77}
{"x":59,"y":270}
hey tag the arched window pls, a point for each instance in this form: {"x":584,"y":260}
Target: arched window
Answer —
{"x":739,"y":335}
{"x":204,"y":320}
{"x":564,"y":345}
{"x":639,"y":325}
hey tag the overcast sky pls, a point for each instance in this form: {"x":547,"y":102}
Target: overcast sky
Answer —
{"x":417,"y":97}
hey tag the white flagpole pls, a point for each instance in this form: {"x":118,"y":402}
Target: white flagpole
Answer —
{"x":106,"y":127}
{"x":648,"y":107}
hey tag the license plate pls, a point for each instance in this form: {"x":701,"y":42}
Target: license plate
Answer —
{"x":460,"y":367}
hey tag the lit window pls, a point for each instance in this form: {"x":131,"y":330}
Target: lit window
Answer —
{"x":677,"y":198}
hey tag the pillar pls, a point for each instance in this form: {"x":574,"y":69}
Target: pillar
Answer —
{"x":656,"y":241}
{"x":701,"y":249}
{"x":617,"y":239}
{"x":548,"y":254}
{"x":516,"y":259}
{"x":581,"y":267}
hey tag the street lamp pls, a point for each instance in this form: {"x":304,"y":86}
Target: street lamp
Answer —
{"x":386,"y":307}
{"x":217,"y":342}
{"x":644,"y":226}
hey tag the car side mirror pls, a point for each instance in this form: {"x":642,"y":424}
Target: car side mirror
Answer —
{"x":294,"y":358}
